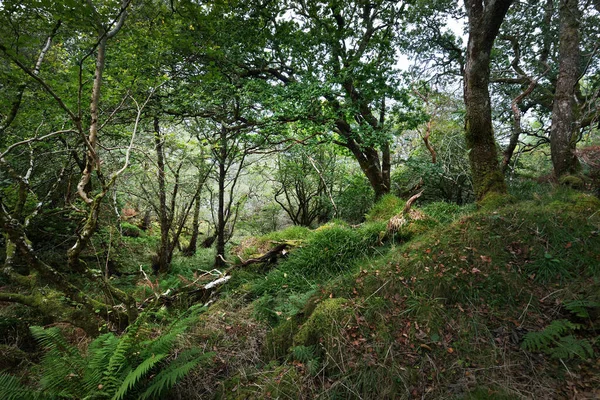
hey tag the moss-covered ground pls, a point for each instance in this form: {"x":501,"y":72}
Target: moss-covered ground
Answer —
{"x":462,"y":309}
{"x":500,"y":301}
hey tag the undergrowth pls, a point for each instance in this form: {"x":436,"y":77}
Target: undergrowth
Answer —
{"x":140,"y":364}
{"x":456,"y":313}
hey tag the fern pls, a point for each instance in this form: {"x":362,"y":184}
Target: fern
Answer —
{"x":63,"y":364}
{"x":304,"y":353}
{"x":114,"y":367}
{"x":134,"y":376}
{"x":556,"y":341}
{"x":119,"y":363}
{"x":12,"y":389}
{"x":581,"y":308}
{"x":176,"y":370}
{"x":53,"y":340}
{"x":570,"y":346}
{"x":99,"y":354}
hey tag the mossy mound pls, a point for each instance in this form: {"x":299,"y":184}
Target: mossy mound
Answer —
{"x":385,"y":208}
{"x":324,"y":323}
{"x":448,"y":309}
{"x":572,"y":181}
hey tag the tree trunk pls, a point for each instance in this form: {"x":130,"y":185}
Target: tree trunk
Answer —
{"x":370,"y":164}
{"x":92,"y":162}
{"x":484,"y":25}
{"x":221,"y":222}
{"x":162,"y":261}
{"x":191,"y":249}
{"x":564,"y":129}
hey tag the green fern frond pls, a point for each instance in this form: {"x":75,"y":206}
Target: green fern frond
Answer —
{"x":581,"y":308}
{"x":119,"y":361}
{"x":171,"y":374}
{"x":99,"y":354}
{"x":161,"y":345}
{"x":556,"y":341}
{"x":165,"y":342}
{"x":570,"y":346}
{"x":12,"y":389}
{"x":538,"y":341}
{"x":53,"y":339}
{"x":304,"y":353}
{"x":63,"y":365}
{"x":134,"y":376}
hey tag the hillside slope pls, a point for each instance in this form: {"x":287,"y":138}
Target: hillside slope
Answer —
{"x":503,"y":302}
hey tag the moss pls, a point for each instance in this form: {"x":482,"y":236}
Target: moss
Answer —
{"x":385,"y":208}
{"x":281,"y":338}
{"x":324,"y":323}
{"x":416,"y":227}
{"x":494,"y":200}
{"x":130,"y":230}
{"x":576,"y":202}
{"x":572,"y":181}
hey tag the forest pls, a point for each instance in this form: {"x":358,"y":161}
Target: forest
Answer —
{"x":299,"y":199}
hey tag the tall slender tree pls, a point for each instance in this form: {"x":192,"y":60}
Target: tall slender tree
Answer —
{"x":564,"y":131}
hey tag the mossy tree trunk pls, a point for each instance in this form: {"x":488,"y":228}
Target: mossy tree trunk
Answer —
{"x":221,"y":217}
{"x":564,"y":129}
{"x":77,"y":307}
{"x":485,"y":19}
{"x":164,"y":254}
{"x":190,"y":250}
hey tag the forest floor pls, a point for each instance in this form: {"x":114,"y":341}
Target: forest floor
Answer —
{"x":496,"y":302}
{"x":499,"y":302}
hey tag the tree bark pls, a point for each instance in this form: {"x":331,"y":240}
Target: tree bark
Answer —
{"x":485,"y":19}
{"x":221,"y":222}
{"x":564,"y":128}
{"x":190,"y":250}
{"x":92,"y":162}
{"x":163,"y":260}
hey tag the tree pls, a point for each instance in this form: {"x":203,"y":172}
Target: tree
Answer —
{"x":485,"y":18}
{"x":564,"y":131}
{"x":173,"y":211}
{"x":58,"y":85}
{"x":304,"y":183}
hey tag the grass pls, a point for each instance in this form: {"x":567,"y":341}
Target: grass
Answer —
{"x":447,"y":311}
{"x":442,"y":314}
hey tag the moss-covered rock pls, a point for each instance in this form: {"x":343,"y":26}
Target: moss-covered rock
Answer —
{"x":495,"y":200}
{"x":324,"y":323}
{"x":572,"y":181}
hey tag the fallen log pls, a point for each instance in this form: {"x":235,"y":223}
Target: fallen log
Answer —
{"x":270,"y":257}
{"x":189,"y":294}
